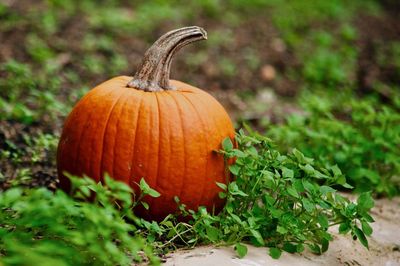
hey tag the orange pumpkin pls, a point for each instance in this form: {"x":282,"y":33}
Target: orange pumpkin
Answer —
{"x":150,"y":127}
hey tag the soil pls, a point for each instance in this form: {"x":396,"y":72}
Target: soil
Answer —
{"x":374,"y":34}
{"x":43,"y":172}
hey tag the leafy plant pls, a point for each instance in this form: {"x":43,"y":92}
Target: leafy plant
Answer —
{"x":22,"y":97}
{"x":40,"y":146}
{"x":328,"y":66}
{"x":359,"y":135}
{"x":42,"y":228}
{"x":276,"y":201}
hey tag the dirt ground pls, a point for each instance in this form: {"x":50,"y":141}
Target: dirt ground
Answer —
{"x":384,"y":247}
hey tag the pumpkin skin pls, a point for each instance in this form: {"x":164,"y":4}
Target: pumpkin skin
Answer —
{"x":167,"y":137}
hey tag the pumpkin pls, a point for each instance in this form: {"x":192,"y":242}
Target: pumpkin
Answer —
{"x":150,"y":127}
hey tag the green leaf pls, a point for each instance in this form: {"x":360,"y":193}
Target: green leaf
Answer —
{"x":234,"y":169}
{"x":308,"y":205}
{"x":147,"y":190}
{"x":347,"y":185}
{"x":315,"y":248}
{"x":222,"y":185}
{"x":227,"y":144}
{"x":257,"y":236}
{"x":292,"y":191}
{"x":298,"y":185}
{"x":275,"y":253}
{"x":300,"y":156}
{"x":222,"y":195}
{"x":287,"y":173}
{"x":145,"y":205}
{"x":336,"y":170}
{"x":325,"y":190}
{"x":365,"y":202}
{"x":341,"y":180}
{"x":153,"y":193}
{"x":308,"y":169}
{"x":276,"y":213}
{"x":323,"y":221}
{"x":12,"y":194}
{"x":366,"y":228}
{"x":115,"y":185}
{"x":351,"y":209}
{"x":212,"y":233}
{"x":252,"y":151}
{"x":234,"y":190}
{"x":239,"y":153}
{"x":289,"y":247}
{"x":281,"y":230}
{"x":368,"y":218}
{"x":308,"y":186}
{"x":241,"y":250}
{"x":300,"y":248}
{"x":325,"y":245}
{"x":85,"y":190}
{"x":370,"y":174}
{"x":360,"y":235}
{"x":143,"y":185}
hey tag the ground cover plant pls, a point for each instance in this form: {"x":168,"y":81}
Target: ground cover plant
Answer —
{"x":39,"y":227}
{"x":365,"y":145}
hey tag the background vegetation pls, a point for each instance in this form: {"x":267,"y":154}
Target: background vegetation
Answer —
{"x":320,"y":77}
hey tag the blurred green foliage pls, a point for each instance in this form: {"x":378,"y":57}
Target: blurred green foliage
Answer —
{"x":54,"y":67}
{"x":22,"y":96}
{"x":362,"y":137}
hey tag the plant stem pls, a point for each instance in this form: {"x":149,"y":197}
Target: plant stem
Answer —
{"x":153,"y":72}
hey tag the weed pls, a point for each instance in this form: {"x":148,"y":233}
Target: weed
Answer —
{"x":365,"y":147}
{"x":275,"y":201}
{"x":42,"y":228}
{"x":22,"y":97}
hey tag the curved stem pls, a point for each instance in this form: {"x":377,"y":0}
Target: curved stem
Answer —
{"x":153,"y":72}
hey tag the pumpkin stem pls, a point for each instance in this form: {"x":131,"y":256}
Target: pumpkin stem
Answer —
{"x":153,"y":72}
